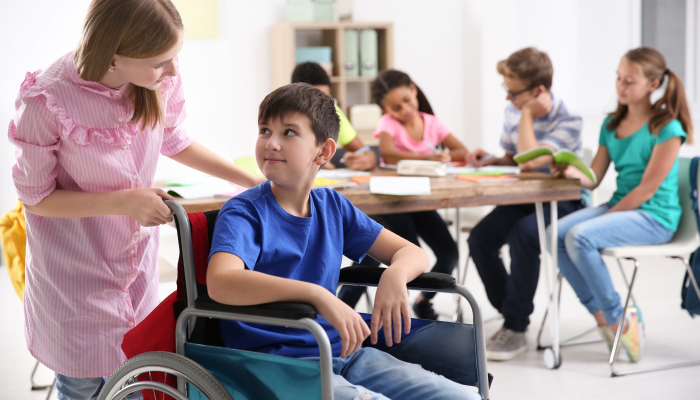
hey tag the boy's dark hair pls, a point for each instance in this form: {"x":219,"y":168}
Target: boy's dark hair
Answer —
{"x":529,"y":65}
{"x":391,"y":79}
{"x":307,"y":100}
{"x":311,"y":73}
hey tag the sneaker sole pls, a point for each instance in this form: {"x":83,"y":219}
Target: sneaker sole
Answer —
{"x":505,"y":355}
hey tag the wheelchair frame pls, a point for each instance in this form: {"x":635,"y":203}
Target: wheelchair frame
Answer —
{"x":268,"y":314}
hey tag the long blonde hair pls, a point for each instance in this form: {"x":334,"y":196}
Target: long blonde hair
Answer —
{"x":672,"y":105}
{"x":129,"y":28}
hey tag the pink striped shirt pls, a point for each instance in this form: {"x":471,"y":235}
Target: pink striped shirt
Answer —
{"x":88,"y":280}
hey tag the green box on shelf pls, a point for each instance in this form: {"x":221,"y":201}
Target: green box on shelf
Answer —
{"x":318,"y":54}
{"x":309,"y":10}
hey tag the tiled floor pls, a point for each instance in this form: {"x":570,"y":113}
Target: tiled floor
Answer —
{"x":671,"y":336}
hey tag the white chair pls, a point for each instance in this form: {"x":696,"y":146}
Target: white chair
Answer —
{"x":685,"y":241}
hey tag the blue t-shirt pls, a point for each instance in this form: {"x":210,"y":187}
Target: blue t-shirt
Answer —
{"x":254,"y":227}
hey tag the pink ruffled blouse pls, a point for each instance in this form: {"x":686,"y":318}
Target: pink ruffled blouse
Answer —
{"x":88,"y":280}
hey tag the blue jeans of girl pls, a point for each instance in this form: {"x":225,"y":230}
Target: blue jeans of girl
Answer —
{"x":581,"y":237}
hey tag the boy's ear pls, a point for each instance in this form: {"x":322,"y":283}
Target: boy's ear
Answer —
{"x":327,"y":151}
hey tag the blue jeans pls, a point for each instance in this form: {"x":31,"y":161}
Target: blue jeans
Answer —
{"x":70,"y":388}
{"x":581,"y":237}
{"x":371,"y":374}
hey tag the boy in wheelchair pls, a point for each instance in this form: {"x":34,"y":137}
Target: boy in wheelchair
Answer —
{"x":282,"y":241}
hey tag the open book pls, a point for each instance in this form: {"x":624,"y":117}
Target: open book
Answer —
{"x":561,"y":157}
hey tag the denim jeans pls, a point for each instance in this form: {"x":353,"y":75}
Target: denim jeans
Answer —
{"x":371,"y":374}
{"x":581,"y":237}
{"x":70,"y":388}
{"x":512,"y":294}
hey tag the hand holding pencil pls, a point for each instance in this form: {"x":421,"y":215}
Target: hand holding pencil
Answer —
{"x":438,"y":155}
{"x":361,"y":160}
{"x":479,"y":158}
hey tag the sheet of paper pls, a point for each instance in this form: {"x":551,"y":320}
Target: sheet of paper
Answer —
{"x":206,"y":188}
{"x":399,"y":186}
{"x":507,"y":169}
{"x":340,"y":173}
{"x":460,"y":170}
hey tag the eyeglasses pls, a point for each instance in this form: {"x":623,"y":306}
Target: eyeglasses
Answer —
{"x":513,"y":95}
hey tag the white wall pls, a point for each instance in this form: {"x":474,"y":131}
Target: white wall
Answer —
{"x":33,"y":33}
{"x":449,"y":47}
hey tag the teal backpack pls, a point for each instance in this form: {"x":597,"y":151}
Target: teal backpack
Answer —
{"x":689,"y":298}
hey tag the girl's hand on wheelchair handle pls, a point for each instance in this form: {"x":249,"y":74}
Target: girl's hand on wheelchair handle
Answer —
{"x":352,"y":328}
{"x":146,"y":206}
{"x":390,"y":303}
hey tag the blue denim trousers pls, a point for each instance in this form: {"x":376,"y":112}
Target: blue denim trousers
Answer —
{"x":371,"y":374}
{"x":583,"y":234}
{"x":70,"y":388}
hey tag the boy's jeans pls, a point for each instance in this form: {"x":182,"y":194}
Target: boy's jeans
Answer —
{"x":369,"y":371}
{"x":581,"y":237}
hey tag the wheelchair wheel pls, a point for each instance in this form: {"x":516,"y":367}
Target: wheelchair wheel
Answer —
{"x":124,"y":380}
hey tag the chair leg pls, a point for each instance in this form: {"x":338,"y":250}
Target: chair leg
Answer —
{"x":34,"y":385}
{"x":618,"y":334}
{"x":461,"y":277}
{"x":570,"y":340}
{"x":616,"y":344}
{"x":627,"y":282}
{"x":693,"y":280}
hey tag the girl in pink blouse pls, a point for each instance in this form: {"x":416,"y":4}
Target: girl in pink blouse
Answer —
{"x":88,"y":132}
{"x":409,"y":130}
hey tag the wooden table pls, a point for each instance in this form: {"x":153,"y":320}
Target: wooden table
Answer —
{"x":449,"y":192}
{"x":445,"y":192}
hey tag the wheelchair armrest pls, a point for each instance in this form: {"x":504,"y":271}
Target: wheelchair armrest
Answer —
{"x":370,"y":276}
{"x":273,"y":310}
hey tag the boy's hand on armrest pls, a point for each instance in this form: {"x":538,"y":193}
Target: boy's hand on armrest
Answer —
{"x":352,"y":328}
{"x":390,"y":304}
{"x":406,"y":261}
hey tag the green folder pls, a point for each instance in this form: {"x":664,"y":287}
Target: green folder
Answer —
{"x":561,"y":157}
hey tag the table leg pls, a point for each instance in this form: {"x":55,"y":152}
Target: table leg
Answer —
{"x":552,"y":357}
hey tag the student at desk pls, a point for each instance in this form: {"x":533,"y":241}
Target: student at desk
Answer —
{"x":357,"y":156}
{"x":409,"y":130}
{"x":534,"y":117}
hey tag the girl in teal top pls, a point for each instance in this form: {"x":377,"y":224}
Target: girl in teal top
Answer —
{"x":642,"y":140}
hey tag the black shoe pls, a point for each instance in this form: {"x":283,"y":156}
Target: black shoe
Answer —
{"x":424,"y":310}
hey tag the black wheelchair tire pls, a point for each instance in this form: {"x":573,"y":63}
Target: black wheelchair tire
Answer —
{"x":171,"y":363}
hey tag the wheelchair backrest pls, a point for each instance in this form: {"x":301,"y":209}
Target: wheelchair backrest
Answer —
{"x":201,"y":227}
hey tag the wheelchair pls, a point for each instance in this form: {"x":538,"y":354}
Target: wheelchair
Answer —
{"x":201,"y":367}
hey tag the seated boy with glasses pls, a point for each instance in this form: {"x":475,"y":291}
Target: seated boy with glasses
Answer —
{"x":534,"y":117}
{"x":282,"y":241}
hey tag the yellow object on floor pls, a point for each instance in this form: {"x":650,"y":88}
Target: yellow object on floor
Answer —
{"x":13,"y":237}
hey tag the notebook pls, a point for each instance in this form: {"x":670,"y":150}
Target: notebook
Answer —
{"x":399,"y":186}
{"x":486,"y":178}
